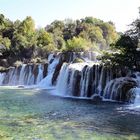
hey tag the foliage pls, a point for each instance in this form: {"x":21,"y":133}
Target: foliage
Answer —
{"x":77,"y":44}
{"x":21,"y":40}
{"x":5,"y":42}
{"x":78,"y":60}
{"x":3,"y":69}
{"x":18,"y":63}
{"x":125,"y":51}
{"x":36,"y":60}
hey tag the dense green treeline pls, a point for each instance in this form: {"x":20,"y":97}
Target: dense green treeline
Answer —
{"x":21,"y":40}
{"x":125,"y":52}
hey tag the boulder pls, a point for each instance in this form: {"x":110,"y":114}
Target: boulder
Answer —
{"x":96,"y":98}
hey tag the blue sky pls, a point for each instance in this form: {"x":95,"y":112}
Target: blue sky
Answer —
{"x":121,"y":12}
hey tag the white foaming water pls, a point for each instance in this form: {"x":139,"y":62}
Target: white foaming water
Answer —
{"x":84,"y":83}
{"x":137,"y":99}
{"x":29,"y":78}
{"x":47,"y":81}
{"x":137,"y":91}
{"x":135,"y":106}
{"x":62,"y":80}
{"x":66,"y":79}
{"x":2,"y":75}
{"x":40,"y":74}
{"x":22,"y":74}
{"x":62,"y":85}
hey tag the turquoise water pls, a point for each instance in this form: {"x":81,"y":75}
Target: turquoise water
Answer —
{"x":31,"y":114}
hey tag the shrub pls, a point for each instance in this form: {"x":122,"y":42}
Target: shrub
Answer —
{"x":78,"y":60}
{"x":77,"y":44}
{"x":18,"y":63}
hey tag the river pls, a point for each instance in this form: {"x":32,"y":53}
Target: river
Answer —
{"x":35,"y":114}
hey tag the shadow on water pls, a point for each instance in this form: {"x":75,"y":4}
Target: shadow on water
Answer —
{"x":37,"y":115}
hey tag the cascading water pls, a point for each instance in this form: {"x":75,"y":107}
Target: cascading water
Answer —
{"x":23,"y":75}
{"x":2,"y":75}
{"x":136,"y":92}
{"x":40,"y":74}
{"x":137,"y":99}
{"x":47,"y":81}
{"x":31,"y":74}
{"x":91,"y":79}
{"x":87,"y":79}
{"x":67,"y":78}
{"x":82,"y":79}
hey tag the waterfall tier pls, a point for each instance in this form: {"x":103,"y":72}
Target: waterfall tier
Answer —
{"x":24,"y":75}
{"x":88,"y":79}
{"x":84,"y":80}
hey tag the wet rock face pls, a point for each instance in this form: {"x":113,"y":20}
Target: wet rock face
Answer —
{"x":4,"y":63}
{"x":56,"y":72}
{"x":45,"y":70}
{"x":127,"y":85}
{"x":76,"y":87}
{"x":64,"y":57}
{"x":35,"y":70}
{"x":118,"y":89}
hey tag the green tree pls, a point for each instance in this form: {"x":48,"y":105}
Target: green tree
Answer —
{"x":127,"y":52}
{"x":77,"y":44}
{"x":5,"y":42}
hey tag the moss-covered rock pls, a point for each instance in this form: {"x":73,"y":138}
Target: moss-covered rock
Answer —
{"x":78,"y":60}
{"x":3,"y":69}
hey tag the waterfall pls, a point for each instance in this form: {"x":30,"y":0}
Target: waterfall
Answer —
{"x":47,"y":81}
{"x":40,"y":74}
{"x":137,"y":98}
{"x":81,"y":79}
{"x":136,"y":92}
{"x":23,"y":75}
{"x":84,"y":81}
{"x":31,"y":74}
{"x":62,"y":79}
{"x":68,"y":78}
{"x":88,"y":79}
{"x":2,"y":75}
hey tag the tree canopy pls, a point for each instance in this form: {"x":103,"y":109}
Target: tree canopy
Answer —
{"x":22,"y":40}
{"x":126,"y":50}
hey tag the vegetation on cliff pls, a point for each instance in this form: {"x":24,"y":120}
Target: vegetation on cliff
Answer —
{"x":126,"y":50}
{"x":20,"y":40}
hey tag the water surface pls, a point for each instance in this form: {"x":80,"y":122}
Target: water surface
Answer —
{"x":33,"y":114}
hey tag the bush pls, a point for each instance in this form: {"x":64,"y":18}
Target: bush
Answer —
{"x":18,"y":63}
{"x":3,"y":69}
{"x":77,"y":44}
{"x":78,"y":60}
{"x":36,"y":60}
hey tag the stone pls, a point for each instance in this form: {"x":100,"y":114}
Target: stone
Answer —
{"x":96,"y":98}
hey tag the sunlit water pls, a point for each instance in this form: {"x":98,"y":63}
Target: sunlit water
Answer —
{"x":33,"y":114}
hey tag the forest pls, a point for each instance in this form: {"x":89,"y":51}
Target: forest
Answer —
{"x":20,"y":40}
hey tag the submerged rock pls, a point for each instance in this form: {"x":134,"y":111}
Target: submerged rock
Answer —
{"x":21,"y":86}
{"x":96,"y":98}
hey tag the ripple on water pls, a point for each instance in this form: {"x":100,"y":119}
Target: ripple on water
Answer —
{"x":35,"y":114}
